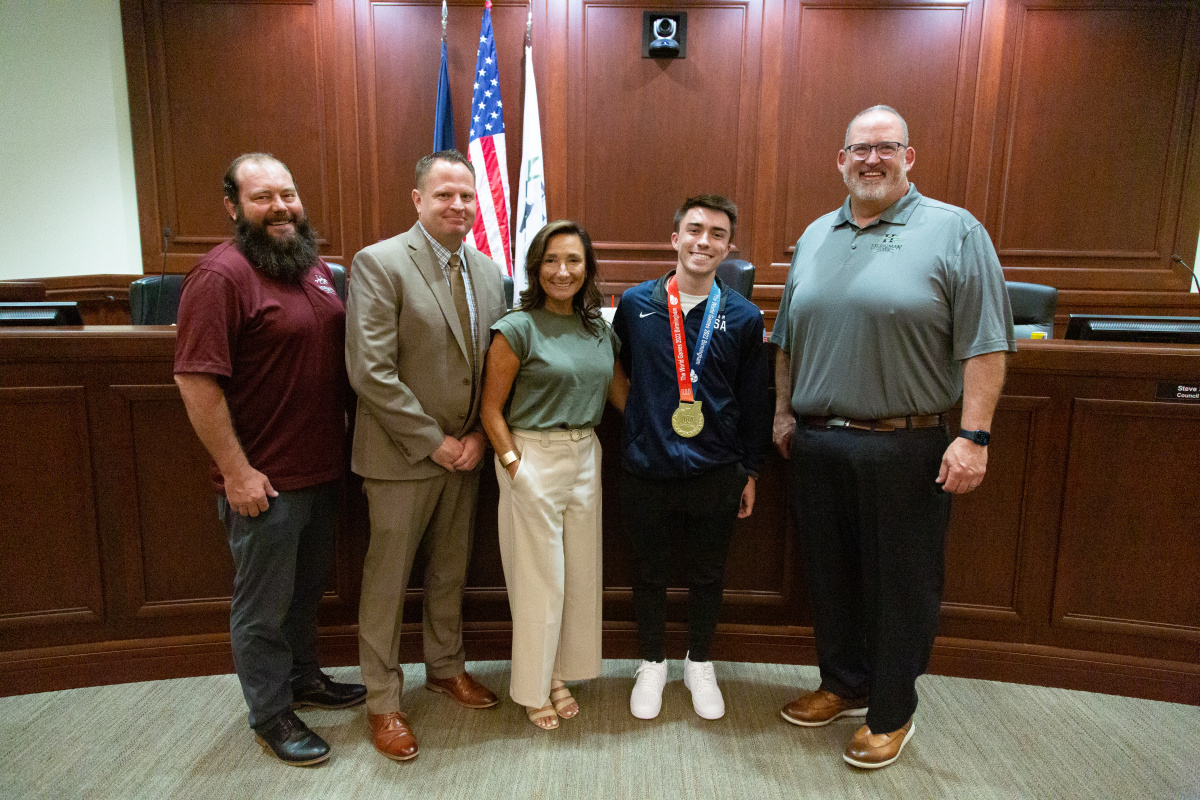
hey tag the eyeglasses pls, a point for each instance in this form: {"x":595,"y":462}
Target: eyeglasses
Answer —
{"x":885,"y":150}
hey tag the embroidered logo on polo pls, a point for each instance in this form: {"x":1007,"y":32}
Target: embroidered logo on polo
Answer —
{"x":888,"y":243}
{"x":323,"y":284}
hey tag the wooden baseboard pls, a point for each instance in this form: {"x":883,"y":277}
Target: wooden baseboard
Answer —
{"x":52,"y":669}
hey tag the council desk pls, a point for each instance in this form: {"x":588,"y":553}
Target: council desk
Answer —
{"x":1074,"y":565}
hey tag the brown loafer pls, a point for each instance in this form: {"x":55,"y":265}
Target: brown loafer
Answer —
{"x":874,"y":750}
{"x":392,"y":736}
{"x":465,"y":690}
{"x":819,"y":708}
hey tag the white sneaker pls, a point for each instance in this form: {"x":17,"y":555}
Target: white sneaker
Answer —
{"x":706,"y":695}
{"x":646,"y":700}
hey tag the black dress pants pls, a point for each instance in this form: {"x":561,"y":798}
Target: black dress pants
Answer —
{"x":703,"y":509}
{"x":872,"y":522}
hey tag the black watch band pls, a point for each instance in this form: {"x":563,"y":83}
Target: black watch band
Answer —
{"x":980,"y":438}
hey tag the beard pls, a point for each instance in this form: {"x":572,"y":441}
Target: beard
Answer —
{"x":286,"y":260}
{"x":876,"y":191}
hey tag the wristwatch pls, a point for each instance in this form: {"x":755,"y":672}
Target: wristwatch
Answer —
{"x":508,"y":458}
{"x":978,"y":437}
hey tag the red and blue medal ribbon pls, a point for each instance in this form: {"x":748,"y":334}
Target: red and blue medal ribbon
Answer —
{"x":683,"y":373}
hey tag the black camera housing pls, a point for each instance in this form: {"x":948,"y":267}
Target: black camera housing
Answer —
{"x":657,"y":45}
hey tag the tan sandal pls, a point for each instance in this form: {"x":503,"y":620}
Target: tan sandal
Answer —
{"x":545,"y":717}
{"x":564,"y":703}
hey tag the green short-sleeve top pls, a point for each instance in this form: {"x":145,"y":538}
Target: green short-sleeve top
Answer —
{"x":565,"y":372}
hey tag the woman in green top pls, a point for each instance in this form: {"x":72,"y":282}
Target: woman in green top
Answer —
{"x":551,"y":366}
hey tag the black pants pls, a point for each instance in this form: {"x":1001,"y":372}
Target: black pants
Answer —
{"x":703,"y":509}
{"x":282,"y":558}
{"x":873,"y":527}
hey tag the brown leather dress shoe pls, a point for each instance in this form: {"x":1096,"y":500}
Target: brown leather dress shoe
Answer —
{"x":874,"y":750}
{"x":392,"y":736}
{"x":465,"y":690}
{"x":819,"y":708}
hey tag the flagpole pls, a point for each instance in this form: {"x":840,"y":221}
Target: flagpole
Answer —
{"x":531,"y":192}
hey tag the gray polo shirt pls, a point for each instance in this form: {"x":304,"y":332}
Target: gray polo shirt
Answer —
{"x":876,"y":321}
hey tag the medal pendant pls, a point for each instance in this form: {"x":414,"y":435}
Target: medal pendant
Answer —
{"x":687,"y":420}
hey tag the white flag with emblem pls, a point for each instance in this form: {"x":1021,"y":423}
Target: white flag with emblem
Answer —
{"x":531,"y":194}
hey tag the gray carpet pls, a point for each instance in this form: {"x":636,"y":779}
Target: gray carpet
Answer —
{"x":187,"y":738}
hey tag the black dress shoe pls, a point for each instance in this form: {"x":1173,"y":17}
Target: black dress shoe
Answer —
{"x":290,"y":740}
{"x":319,"y":691}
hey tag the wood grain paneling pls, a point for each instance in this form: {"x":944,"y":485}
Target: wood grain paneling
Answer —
{"x":1078,"y":552}
{"x":51,"y":547}
{"x":230,"y":78}
{"x":1067,"y":127}
{"x":987,"y":527}
{"x":161,"y":450}
{"x":398,"y":53}
{"x":647,"y":133}
{"x":1118,"y":548}
{"x":1109,"y":86}
{"x":920,"y":60}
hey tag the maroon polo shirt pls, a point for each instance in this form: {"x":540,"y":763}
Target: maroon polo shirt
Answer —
{"x":278,"y":351}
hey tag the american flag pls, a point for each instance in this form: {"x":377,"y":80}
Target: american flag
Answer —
{"x":486,"y":151}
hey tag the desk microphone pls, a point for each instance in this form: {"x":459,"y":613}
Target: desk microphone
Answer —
{"x":162,"y":276}
{"x":1191,"y":271}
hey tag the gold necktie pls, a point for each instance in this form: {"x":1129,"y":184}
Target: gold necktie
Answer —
{"x":458,"y":288}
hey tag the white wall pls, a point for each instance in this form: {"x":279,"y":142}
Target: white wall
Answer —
{"x":68,"y":205}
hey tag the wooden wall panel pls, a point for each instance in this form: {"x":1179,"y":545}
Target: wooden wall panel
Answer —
{"x":1095,"y":124}
{"x":920,"y":60}
{"x":1074,"y":566}
{"x":48,"y":495}
{"x":984,"y":542}
{"x":229,"y":78}
{"x":649,"y":132}
{"x":1117,"y":548}
{"x":160,"y":454}
{"x":398,"y":53}
{"x":998,"y":94}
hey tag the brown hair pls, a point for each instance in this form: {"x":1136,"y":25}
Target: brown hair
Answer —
{"x":586,"y":301}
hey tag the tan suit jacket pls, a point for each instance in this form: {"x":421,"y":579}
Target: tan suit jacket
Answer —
{"x":406,"y":354}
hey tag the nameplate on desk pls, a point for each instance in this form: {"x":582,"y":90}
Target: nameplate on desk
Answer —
{"x":1179,"y":392}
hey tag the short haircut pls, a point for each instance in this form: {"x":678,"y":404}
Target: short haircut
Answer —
{"x":713,"y":202}
{"x":232,"y":189}
{"x":880,"y":107}
{"x":453,"y":156}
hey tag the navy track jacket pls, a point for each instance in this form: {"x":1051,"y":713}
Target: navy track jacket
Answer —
{"x":733,"y":386}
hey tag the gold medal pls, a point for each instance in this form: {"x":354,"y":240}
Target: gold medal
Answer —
{"x":687,"y":420}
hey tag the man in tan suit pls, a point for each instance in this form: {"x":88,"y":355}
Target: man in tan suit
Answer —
{"x":419,"y":308}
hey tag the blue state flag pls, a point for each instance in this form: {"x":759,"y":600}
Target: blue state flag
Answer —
{"x":443,"y":123}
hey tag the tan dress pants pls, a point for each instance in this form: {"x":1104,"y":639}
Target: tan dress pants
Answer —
{"x":438,"y":515}
{"x":551,"y":548}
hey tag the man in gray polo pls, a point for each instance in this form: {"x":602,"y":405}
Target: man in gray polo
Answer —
{"x":895,"y":306}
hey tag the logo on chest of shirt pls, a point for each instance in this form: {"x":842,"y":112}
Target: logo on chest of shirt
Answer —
{"x":888,"y":243}
{"x":323,"y":284}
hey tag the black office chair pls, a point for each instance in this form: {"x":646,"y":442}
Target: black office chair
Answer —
{"x":738,"y":274}
{"x":145,"y":298}
{"x":508,"y":289}
{"x":339,"y":279}
{"x":1033,"y":308}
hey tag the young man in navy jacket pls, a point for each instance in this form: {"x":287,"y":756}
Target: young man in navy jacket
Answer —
{"x":697,"y":428}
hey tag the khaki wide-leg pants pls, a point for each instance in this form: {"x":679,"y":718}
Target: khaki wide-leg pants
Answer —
{"x":550,"y":544}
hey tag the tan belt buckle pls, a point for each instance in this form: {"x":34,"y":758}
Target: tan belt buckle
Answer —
{"x":577,"y":435}
{"x":837,"y":422}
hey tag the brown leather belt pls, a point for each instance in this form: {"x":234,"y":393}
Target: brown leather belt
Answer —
{"x":889,"y":424}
